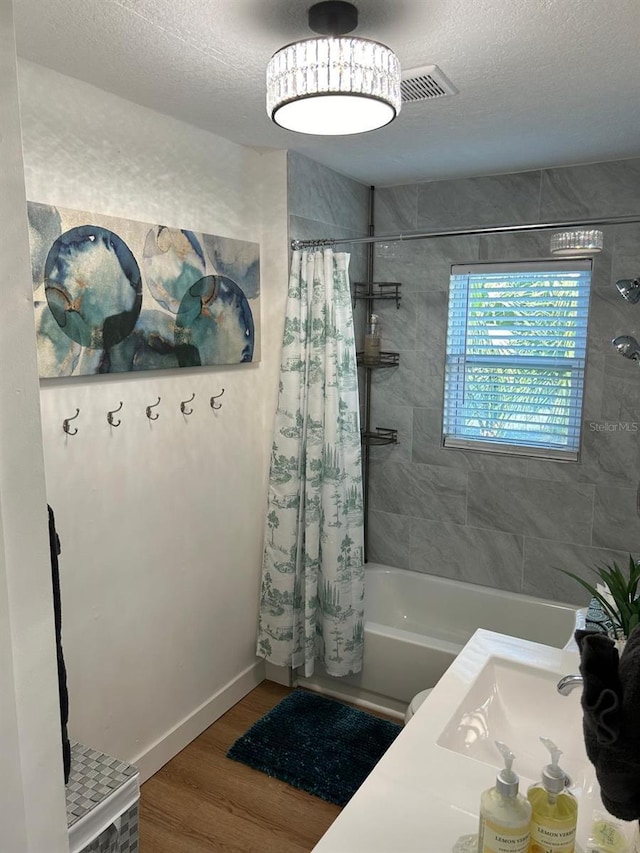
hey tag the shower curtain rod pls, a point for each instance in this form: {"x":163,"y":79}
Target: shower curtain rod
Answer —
{"x":468,"y":232}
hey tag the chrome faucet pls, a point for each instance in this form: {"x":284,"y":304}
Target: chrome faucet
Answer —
{"x":569,"y":683}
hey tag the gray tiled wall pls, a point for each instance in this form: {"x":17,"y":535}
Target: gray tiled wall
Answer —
{"x":325,"y":204}
{"x":496,"y":520}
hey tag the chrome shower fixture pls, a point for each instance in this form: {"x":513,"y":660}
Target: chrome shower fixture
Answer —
{"x":629,"y":289}
{"x":627,"y":346}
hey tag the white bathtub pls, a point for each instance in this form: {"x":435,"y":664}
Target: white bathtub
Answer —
{"x":415,"y":625}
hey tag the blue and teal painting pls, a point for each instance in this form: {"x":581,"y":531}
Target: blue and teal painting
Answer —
{"x":115,"y":295}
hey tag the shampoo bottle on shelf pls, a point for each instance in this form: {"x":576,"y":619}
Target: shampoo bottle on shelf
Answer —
{"x":504,"y":813}
{"x":554,"y":809}
{"x":372,"y":341}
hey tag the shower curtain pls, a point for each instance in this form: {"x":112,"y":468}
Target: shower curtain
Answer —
{"x":312,"y":595}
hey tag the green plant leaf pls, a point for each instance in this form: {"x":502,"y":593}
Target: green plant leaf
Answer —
{"x":615,"y":617}
{"x":621,"y":587}
{"x":615,"y":580}
{"x":634,"y":577}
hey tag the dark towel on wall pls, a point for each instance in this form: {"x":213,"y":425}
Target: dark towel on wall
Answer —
{"x":611,"y":718}
{"x":54,"y":547}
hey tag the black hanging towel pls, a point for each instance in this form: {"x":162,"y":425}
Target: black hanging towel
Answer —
{"x":54,"y":546}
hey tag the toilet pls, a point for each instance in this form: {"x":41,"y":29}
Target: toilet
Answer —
{"x":415,"y":703}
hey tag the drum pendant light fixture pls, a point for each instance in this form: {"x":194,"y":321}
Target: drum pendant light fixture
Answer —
{"x":577,"y":242}
{"x":333,"y":85}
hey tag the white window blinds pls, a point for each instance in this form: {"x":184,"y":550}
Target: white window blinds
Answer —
{"x":515,"y":361}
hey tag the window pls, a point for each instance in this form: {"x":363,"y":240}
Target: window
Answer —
{"x":515,"y":361}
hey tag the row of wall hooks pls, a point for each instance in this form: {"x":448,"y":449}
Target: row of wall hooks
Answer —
{"x":153,"y":416}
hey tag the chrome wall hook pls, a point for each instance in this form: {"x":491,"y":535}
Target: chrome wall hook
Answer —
{"x":215,"y":405}
{"x":183,"y":405}
{"x":65,"y":423}
{"x":112,"y":413}
{"x":150,"y":415}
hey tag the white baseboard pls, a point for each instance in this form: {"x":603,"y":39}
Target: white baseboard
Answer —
{"x":153,"y":758}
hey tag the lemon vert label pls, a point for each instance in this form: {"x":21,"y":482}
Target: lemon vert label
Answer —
{"x":497,"y":839}
{"x":558,"y":839}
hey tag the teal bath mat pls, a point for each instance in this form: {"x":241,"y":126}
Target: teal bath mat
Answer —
{"x":316,"y":744}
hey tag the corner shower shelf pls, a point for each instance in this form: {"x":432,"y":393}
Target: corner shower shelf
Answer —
{"x":387,"y":359}
{"x":379,"y":436}
{"x":370,"y":291}
{"x":377,"y":290}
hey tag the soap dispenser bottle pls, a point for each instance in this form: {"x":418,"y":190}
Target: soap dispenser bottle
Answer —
{"x":554,"y":809}
{"x":504,"y":813}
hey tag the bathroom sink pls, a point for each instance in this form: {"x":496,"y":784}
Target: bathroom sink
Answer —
{"x":517,"y":703}
{"x":427,"y":786}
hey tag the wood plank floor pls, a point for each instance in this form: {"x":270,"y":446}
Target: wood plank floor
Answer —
{"x":203,"y":801}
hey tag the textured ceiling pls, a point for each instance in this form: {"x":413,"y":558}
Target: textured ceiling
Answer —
{"x":541,"y":82}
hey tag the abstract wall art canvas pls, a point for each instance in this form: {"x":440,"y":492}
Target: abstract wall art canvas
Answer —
{"x":114,"y":295}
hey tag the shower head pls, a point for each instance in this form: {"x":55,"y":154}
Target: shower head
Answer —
{"x":627,"y":346}
{"x":629,"y":289}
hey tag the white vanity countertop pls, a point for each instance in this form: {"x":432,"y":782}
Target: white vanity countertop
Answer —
{"x":422,"y":796}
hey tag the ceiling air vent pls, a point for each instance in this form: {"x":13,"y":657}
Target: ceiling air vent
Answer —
{"x":422,"y":84}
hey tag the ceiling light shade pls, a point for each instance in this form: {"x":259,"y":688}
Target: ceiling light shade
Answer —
{"x":579,"y":242}
{"x":333,"y":86}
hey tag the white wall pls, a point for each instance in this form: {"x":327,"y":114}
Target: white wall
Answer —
{"x":32,"y":813}
{"x":161,"y":522}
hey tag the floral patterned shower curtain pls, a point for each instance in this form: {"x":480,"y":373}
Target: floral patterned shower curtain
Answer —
{"x":312,"y":596}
